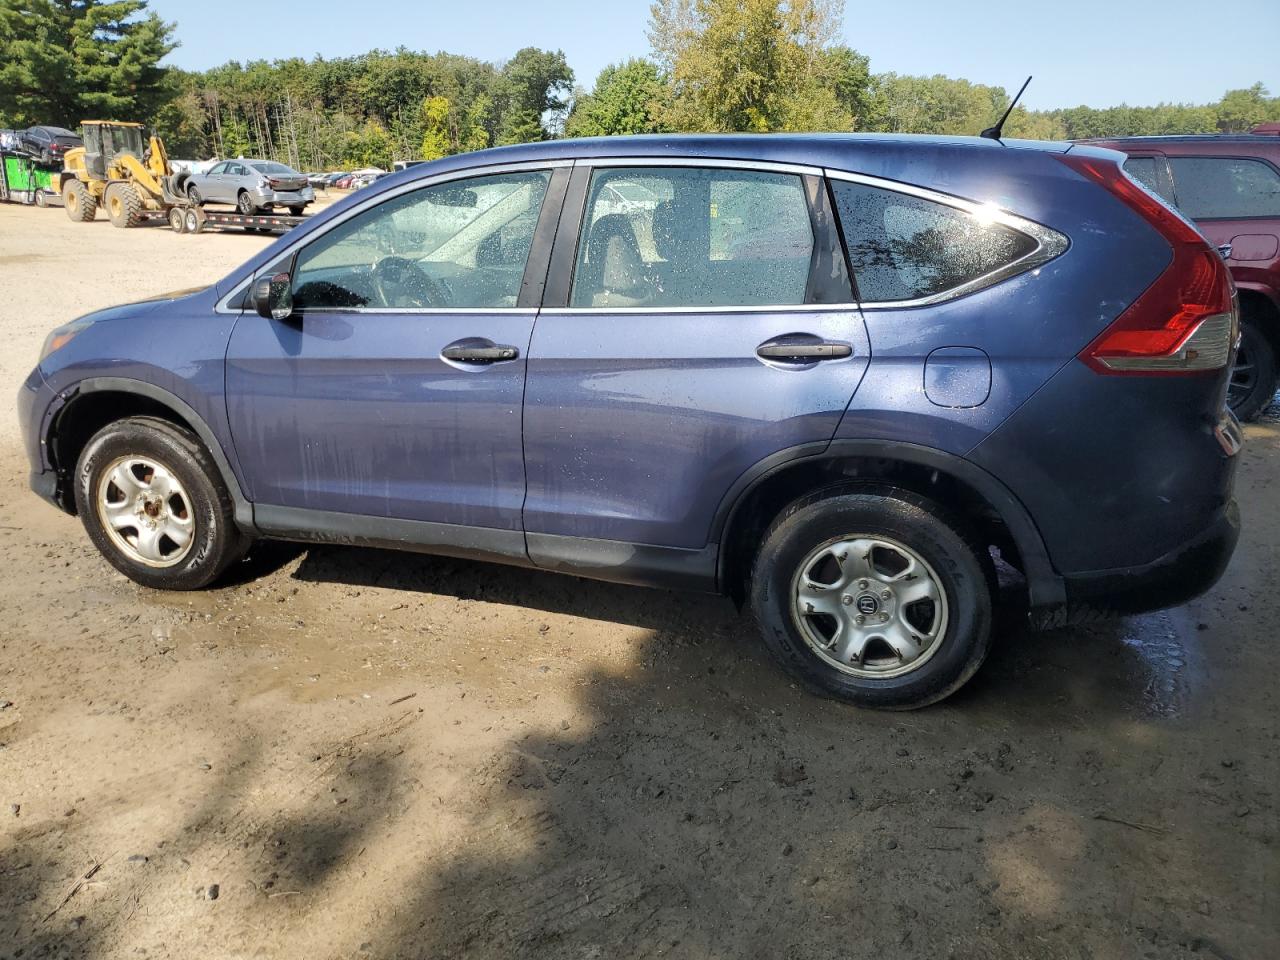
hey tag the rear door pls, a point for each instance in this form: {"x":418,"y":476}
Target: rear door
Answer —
{"x":698,"y":319}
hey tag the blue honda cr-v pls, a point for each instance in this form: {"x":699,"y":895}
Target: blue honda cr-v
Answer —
{"x":823,"y":374}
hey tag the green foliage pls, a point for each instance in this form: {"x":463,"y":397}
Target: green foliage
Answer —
{"x":717,"y":65}
{"x":63,"y":61}
{"x":626,"y":99}
{"x":751,"y":65}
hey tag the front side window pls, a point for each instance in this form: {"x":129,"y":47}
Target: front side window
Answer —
{"x":461,"y":244}
{"x":693,"y":237}
{"x":903,"y":247}
{"x":1225,"y":187}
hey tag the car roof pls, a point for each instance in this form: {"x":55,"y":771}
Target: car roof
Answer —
{"x":1199,"y":145}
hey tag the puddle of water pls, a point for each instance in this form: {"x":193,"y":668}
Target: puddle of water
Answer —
{"x":1165,"y":647}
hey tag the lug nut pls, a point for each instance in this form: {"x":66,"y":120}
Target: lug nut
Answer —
{"x":859,"y":619}
{"x":862,"y":584}
{"x":884,"y":618}
{"x":846,"y":600}
{"x":886,"y":594}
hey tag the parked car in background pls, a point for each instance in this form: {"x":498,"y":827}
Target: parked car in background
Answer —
{"x":49,"y":144}
{"x":251,"y":185}
{"x":335,"y":176}
{"x":825,"y":375}
{"x":1230,"y":186}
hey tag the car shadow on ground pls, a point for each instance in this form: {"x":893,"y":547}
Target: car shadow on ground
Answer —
{"x":701,"y":805}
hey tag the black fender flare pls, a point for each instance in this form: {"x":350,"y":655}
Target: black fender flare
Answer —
{"x":1045,"y":587}
{"x":243,"y":508}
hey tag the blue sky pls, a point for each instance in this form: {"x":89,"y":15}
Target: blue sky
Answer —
{"x":1095,"y":53}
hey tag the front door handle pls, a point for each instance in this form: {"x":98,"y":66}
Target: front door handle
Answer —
{"x":476,"y":350}
{"x":805,"y":351}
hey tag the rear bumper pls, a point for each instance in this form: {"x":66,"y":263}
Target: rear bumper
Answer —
{"x":284,"y":198}
{"x":1172,"y":579}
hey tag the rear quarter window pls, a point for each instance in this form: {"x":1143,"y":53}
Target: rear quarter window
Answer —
{"x":903,"y":247}
{"x":1225,"y":187}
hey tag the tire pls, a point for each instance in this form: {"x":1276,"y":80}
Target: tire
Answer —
{"x":892,"y":525}
{"x":124,"y":206}
{"x":296,"y":211}
{"x":245,"y":205}
{"x":80,"y":204}
{"x":201,"y":509}
{"x":41,"y":199}
{"x":177,"y":220}
{"x":194,"y":195}
{"x":193,"y":222}
{"x":1254,"y":377}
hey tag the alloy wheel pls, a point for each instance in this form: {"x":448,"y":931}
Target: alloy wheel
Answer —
{"x":869,"y":606}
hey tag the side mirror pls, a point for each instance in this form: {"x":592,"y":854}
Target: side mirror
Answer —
{"x":273,"y":297}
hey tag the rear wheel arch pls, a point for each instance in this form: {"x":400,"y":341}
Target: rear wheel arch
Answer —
{"x":95,"y":402}
{"x":994,"y":513}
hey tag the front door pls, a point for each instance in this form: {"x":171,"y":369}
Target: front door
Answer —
{"x":395,"y":389}
{"x":708,"y":324}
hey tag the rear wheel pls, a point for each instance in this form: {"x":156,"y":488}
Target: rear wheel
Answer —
{"x":1253,"y":378}
{"x":245,"y":204}
{"x":124,"y":206}
{"x":42,"y":199}
{"x":80,"y":204}
{"x":874,"y":596}
{"x":153,"y":502}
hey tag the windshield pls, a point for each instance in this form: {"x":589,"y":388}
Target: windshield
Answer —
{"x":271,"y":168}
{"x":116,"y":140}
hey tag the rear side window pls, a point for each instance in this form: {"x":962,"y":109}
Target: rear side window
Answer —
{"x":1225,"y":187}
{"x":693,"y":237}
{"x":903,"y":247}
{"x":1143,"y":169}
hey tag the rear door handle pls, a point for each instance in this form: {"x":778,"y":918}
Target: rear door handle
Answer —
{"x":805,"y":351}
{"x":479,"y":351}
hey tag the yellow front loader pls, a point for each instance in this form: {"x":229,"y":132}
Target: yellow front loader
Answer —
{"x":119,"y":168}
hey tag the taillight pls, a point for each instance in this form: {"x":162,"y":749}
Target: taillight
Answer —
{"x":1185,"y":322}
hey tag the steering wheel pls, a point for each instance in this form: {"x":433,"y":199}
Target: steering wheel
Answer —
{"x":403,"y":283}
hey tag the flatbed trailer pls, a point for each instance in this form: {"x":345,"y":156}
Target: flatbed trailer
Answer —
{"x":188,"y":218}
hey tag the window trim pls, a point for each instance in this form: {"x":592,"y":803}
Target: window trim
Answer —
{"x":542,"y":234}
{"x":1050,"y":244}
{"x":1173,"y":181}
{"x":564,"y":256}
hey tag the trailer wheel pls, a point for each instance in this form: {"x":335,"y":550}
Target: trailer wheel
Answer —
{"x":124,"y":206}
{"x":177,"y":220}
{"x":81,"y":205}
{"x":193,"y":222}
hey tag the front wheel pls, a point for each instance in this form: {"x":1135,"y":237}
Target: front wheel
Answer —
{"x":153,"y":502}
{"x":874,"y":596}
{"x":1253,"y":378}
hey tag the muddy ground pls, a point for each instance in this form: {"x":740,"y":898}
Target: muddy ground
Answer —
{"x":347,"y":753}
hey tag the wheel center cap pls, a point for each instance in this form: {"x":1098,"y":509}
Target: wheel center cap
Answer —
{"x":867,"y":604}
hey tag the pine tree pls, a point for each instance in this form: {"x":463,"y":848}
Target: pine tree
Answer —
{"x":63,"y":61}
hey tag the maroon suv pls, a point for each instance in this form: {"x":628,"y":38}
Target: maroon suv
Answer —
{"x":1230,"y":186}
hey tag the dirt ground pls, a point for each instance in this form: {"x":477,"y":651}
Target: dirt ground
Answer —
{"x":348,"y":753}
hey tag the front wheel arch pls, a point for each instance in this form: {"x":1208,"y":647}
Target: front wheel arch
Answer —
{"x":97,"y":401}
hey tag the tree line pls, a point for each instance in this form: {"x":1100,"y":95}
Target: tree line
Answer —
{"x":713,"y":66}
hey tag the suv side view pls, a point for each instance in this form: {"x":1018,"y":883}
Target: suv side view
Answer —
{"x":1230,"y":186}
{"x":829,"y":376}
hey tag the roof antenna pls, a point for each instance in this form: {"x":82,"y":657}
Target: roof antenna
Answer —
{"x":996,"y":132}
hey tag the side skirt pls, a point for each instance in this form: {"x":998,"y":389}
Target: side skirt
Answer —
{"x":637,"y":564}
